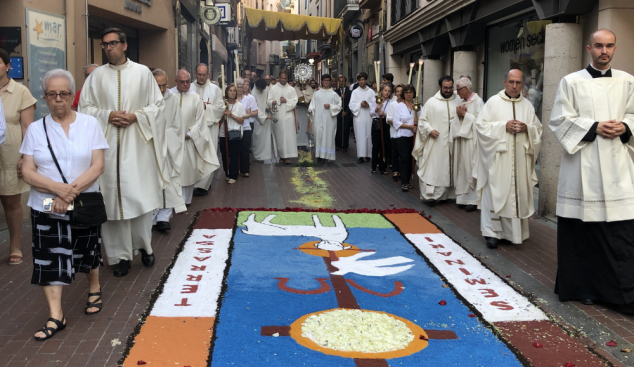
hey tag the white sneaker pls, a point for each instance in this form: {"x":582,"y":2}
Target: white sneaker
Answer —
{"x":231,"y":181}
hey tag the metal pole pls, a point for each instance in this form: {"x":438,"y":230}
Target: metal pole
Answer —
{"x":87,"y":37}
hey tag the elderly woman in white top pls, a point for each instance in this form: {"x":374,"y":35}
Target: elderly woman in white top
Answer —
{"x":405,"y":123}
{"x":60,"y":250}
{"x":230,"y":134}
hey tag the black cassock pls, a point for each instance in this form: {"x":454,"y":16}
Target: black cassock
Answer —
{"x":596,"y":261}
{"x":342,"y":137}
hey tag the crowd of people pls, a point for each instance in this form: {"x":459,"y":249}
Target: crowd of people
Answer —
{"x":148,"y":150}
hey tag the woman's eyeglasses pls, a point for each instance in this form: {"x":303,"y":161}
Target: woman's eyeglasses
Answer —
{"x":63,"y":95}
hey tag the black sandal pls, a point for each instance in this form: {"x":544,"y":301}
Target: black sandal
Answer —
{"x":94,"y":303}
{"x":245,"y":175}
{"x":404,"y":188}
{"x":395,"y":177}
{"x":47,"y":329}
{"x":373,"y":171}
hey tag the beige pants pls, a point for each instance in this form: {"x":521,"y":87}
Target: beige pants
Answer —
{"x":122,"y":239}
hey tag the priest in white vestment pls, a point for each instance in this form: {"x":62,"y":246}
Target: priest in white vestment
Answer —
{"x":262,"y":138}
{"x":433,"y":150}
{"x":123,"y":96}
{"x":304,"y":96}
{"x":362,"y":105}
{"x":168,"y":130}
{"x":464,"y":137}
{"x":283,"y":98}
{"x":509,"y":140}
{"x":593,"y":118}
{"x":324,"y":108}
{"x":199,"y":156}
{"x":214,"y":104}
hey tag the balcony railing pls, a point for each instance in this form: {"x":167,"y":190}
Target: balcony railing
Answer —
{"x":341,"y":4}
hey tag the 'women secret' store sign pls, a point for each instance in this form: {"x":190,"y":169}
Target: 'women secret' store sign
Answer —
{"x":46,"y":38}
{"x":523,"y":42}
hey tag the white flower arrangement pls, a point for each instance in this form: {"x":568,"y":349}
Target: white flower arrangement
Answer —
{"x":357,"y":331}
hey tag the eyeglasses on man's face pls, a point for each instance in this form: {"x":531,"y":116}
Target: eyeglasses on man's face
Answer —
{"x":112,"y":44}
{"x":184,"y":81}
{"x":53,"y":95}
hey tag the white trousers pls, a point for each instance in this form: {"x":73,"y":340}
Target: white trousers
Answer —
{"x":162,"y":215}
{"x":188,"y":193}
{"x":492,"y":225}
{"x":122,"y":239}
{"x":429,"y":192}
{"x":470,"y":198}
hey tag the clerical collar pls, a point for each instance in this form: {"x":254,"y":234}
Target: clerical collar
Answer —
{"x":511,"y":98}
{"x":595,"y":73}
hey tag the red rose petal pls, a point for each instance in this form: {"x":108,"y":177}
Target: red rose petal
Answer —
{"x":611,"y":343}
{"x":537,"y":345}
{"x":471,"y":315}
{"x":569,"y":364}
{"x":508,"y":276}
{"x":141,"y":362}
{"x":422,"y":337}
{"x":442,"y":303}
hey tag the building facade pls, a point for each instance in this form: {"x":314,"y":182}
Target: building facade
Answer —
{"x":484,"y":39}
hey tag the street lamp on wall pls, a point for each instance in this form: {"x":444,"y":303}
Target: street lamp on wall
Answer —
{"x":311,"y":61}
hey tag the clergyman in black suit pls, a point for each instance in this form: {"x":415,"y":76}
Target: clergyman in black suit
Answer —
{"x":344,"y":119}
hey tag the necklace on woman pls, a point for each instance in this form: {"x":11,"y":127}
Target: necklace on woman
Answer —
{"x":7,"y":83}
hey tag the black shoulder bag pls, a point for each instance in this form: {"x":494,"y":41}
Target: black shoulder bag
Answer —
{"x":90,"y":210}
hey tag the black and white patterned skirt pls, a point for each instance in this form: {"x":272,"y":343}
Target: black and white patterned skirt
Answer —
{"x":60,"y":251}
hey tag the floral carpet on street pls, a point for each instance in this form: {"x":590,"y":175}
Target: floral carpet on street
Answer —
{"x":299,"y":288}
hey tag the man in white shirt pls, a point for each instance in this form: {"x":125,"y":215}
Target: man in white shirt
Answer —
{"x":433,"y":148}
{"x":170,"y":142}
{"x":464,"y":137}
{"x":251,"y":110}
{"x":362,"y":105}
{"x":509,"y":141}
{"x":593,"y":118}
{"x":324,"y":108}
{"x":123,"y":96}
{"x":214,"y":103}
{"x":283,"y":98}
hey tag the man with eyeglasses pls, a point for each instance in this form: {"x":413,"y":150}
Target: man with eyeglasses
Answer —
{"x":214,"y":104}
{"x":198,"y":157}
{"x":432,"y":146}
{"x":267,"y":79}
{"x":509,"y":140}
{"x":464,"y":137}
{"x":124,"y":97}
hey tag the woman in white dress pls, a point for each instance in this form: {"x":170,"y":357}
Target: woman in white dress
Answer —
{"x":230,"y":135}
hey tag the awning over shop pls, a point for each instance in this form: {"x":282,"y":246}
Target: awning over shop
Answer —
{"x":279,"y":26}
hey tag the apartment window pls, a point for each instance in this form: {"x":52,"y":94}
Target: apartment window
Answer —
{"x":402,"y":8}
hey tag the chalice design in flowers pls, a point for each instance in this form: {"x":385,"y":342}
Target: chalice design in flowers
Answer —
{"x":367,"y":336}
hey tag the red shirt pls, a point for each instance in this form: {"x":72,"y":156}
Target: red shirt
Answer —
{"x":76,"y":100}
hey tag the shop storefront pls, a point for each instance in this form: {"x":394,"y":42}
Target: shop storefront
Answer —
{"x":517,"y":44}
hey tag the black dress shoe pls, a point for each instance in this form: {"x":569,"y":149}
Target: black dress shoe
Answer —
{"x":147,"y":260}
{"x":121,"y":269}
{"x":627,"y":309}
{"x":586,"y":301}
{"x":471,"y":208}
{"x":360,"y":160}
{"x":492,"y":242}
{"x":200,"y":192}
{"x":431,"y":202}
{"x":367,"y":159}
{"x":162,"y":226}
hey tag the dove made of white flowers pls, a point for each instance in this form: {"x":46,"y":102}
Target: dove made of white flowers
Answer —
{"x":374,"y":268}
{"x":332,"y":238}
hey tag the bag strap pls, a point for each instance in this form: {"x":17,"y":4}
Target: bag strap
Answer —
{"x":52,"y":153}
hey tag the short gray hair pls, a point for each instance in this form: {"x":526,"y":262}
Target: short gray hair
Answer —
{"x":464,"y":82}
{"x":88,"y":67}
{"x":239,"y":81}
{"x":59,"y":73}
{"x":156,"y":72}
